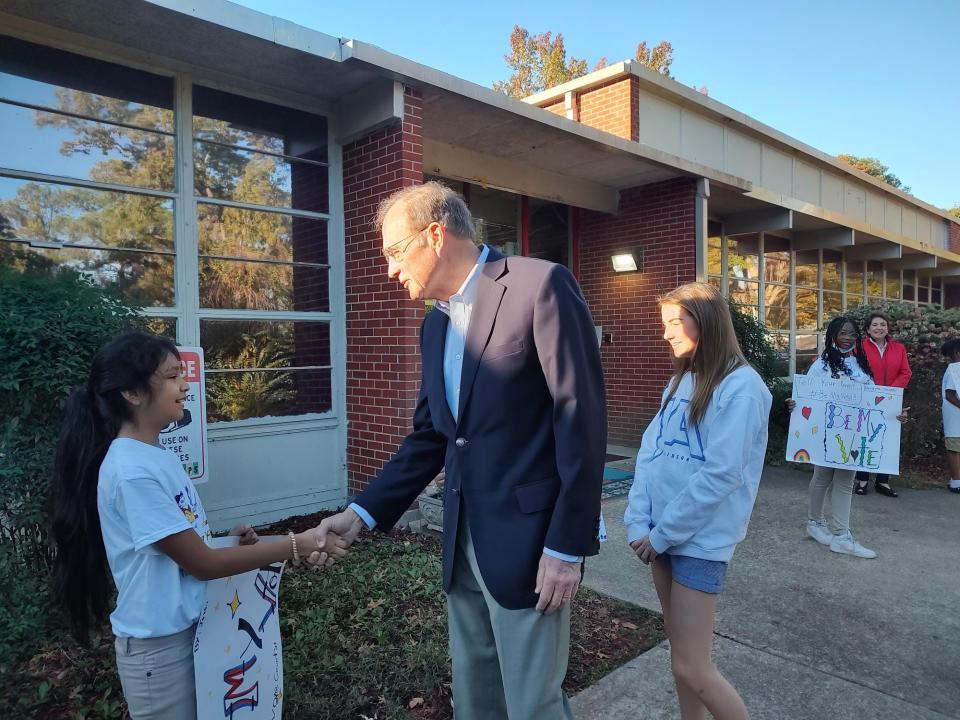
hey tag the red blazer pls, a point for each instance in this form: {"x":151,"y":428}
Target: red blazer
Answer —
{"x":892,"y":369}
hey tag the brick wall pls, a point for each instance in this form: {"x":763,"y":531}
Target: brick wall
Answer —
{"x":660,"y":218}
{"x":558,"y":108}
{"x":613,"y":107}
{"x":383,"y":361}
{"x":954,"y":244}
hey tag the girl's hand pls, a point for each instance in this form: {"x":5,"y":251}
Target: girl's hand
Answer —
{"x":903,"y":417}
{"x":246,"y":533}
{"x":644,"y":550}
{"x":791,"y":404}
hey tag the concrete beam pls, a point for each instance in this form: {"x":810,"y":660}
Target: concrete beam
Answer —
{"x":765,"y":220}
{"x":519,"y":177}
{"x":372,"y":107}
{"x":874,"y":251}
{"x":915,"y":261}
{"x":838,"y":237}
{"x":944,"y":270}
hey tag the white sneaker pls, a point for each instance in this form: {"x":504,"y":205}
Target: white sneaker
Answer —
{"x":846,"y":545}
{"x":818,"y":530}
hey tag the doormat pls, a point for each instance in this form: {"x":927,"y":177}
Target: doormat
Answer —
{"x":616,"y":482}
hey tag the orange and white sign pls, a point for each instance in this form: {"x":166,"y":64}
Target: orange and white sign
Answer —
{"x":187,"y":438}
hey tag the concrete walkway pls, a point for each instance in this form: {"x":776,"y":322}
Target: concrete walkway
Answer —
{"x":804,"y":633}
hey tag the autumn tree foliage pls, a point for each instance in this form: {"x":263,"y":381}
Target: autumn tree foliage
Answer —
{"x":872,"y":166}
{"x":540,"y":61}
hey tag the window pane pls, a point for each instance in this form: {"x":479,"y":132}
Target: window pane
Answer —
{"x":234,"y":134}
{"x":741,"y":291}
{"x":245,"y":176}
{"x":831,"y":270}
{"x":143,"y":279}
{"x":59,"y":80}
{"x":808,"y":348}
{"x":874,"y":278}
{"x":777,"y":306}
{"x":47,"y":142}
{"x":854,"y":301}
{"x":278,"y":360}
{"x":257,"y":125}
{"x":255,"y":235}
{"x":496,"y":215}
{"x":781,"y":343}
{"x":742,"y":257}
{"x":264,"y":393}
{"x":264,"y":344}
{"x":714,"y":255}
{"x":46,"y":212}
{"x":909,"y":284}
{"x":807,"y":268}
{"x":549,"y":231}
{"x":751,"y":310}
{"x":832,"y":306}
{"x":936,"y":296}
{"x":855,"y":278}
{"x":244,"y":284}
{"x":776,"y":266}
{"x":164,"y":326}
{"x":807,"y":301}
{"x":893,"y":284}
{"x":715,"y":281}
{"x":923,"y":293}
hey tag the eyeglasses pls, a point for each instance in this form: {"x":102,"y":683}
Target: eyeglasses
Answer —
{"x":389,"y":253}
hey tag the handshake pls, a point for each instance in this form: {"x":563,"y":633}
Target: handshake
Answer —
{"x":328,"y":542}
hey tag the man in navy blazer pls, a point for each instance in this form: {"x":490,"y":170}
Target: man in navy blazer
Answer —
{"x":512,"y":405}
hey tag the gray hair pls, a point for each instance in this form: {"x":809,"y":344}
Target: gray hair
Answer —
{"x":424,"y":204}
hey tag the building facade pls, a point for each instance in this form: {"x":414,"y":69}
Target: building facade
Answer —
{"x":221,"y":168}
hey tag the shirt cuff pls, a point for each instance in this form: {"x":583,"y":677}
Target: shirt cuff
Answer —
{"x":658,"y":542}
{"x":364,"y":515}
{"x":562,"y":556}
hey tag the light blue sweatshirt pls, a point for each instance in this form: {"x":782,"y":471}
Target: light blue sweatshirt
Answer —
{"x":695,"y":486}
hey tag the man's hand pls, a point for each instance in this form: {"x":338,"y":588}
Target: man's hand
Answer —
{"x":246,"y":533}
{"x":557,"y":583}
{"x":644,"y":550}
{"x":340,"y":531}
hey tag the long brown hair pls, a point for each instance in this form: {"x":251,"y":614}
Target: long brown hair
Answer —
{"x":717,"y":353}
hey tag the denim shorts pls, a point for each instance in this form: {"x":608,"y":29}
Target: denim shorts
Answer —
{"x":696,"y":573}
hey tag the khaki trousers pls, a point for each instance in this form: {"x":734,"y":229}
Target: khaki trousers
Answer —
{"x":157,"y":676}
{"x":507,"y":664}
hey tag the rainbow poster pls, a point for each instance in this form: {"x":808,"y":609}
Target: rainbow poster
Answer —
{"x":845,"y":425}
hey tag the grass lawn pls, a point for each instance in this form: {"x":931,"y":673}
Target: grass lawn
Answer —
{"x":366,"y":639}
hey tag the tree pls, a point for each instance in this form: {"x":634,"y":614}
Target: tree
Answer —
{"x":658,"y":58}
{"x":540,"y":62}
{"x":955,"y":211}
{"x":872,"y":166}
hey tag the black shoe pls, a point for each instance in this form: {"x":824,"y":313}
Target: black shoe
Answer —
{"x":884,"y":489}
{"x":955,"y":490}
{"x":861,"y":488}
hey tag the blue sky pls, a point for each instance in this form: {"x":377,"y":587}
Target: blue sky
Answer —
{"x":878,"y":78}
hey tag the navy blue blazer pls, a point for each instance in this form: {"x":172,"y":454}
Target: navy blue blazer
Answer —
{"x":525,"y":460}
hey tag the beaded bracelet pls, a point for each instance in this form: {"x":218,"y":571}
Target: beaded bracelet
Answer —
{"x":293,"y":544}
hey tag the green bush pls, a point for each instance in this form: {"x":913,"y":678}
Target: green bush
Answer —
{"x":51,"y":324}
{"x":923,"y":330}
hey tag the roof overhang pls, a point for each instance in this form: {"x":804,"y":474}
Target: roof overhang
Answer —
{"x":470,"y":132}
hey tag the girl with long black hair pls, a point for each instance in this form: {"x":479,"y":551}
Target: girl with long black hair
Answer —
{"x":120,"y":501}
{"x":843,"y":358}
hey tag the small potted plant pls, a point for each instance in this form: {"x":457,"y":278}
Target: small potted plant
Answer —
{"x":431,"y":503}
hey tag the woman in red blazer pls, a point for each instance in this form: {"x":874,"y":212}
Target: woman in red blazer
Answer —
{"x":888,"y":361}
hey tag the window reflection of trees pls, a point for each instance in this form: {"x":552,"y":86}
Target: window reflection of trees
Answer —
{"x":121,"y":235}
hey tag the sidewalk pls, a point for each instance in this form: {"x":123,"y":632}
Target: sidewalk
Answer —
{"x":804,"y":633}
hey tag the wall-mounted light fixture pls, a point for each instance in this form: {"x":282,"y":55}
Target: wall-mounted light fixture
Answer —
{"x":628,"y":261}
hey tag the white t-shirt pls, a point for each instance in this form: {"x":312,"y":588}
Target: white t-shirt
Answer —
{"x":951,"y":413}
{"x":143,"y":495}
{"x":851,"y":369}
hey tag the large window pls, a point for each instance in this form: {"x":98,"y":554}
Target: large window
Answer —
{"x":93,"y":177}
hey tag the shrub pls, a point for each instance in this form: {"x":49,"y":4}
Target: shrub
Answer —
{"x":51,"y":324}
{"x":923,"y":330}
